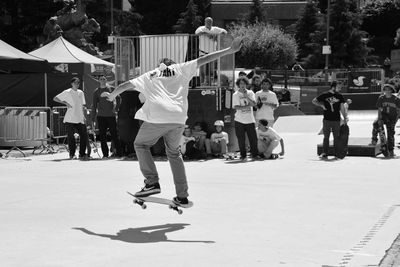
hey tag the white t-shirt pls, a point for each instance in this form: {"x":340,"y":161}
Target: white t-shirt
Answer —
{"x":244,"y":116}
{"x":216,"y":137}
{"x":184,"y":140}
{"x":266,"y":112}
{"x":213,"y":30}
{"x":269,"y":135}
{"x":77,"y":100}
{"x":166,"y":93}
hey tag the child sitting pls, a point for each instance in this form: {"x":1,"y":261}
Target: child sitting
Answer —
{"x":189,"y":146}
{"x":219,"y":140}
{"x":200,"y":135}
{"x":268,"y":140}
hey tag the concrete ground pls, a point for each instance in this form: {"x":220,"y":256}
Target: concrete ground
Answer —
{"x":296,"y":211}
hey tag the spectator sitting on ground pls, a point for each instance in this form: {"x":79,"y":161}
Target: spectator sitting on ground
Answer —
{"x":200,"y":135}
{"x":188,"y":145}
{"x":268,"y":140}
{"x":218,"y":141}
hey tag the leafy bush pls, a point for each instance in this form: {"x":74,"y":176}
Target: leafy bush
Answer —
{"x":265,"y":46}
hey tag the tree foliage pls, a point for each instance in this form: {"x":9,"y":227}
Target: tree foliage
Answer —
{"x":257,"y":13}
{"x":381,"y":20}
{"x":264,"y":46}
{"x":189,"y":20}
{"x":305,"y":28}
{"x":346,"y":38}
{"x":159,"y":16}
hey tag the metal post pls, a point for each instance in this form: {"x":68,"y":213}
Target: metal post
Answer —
{"x":328,"y":11}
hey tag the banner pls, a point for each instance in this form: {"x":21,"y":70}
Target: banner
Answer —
{"x":359,"y":82}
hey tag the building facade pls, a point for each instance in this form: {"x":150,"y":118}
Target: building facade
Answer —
{"x":282,"y":12}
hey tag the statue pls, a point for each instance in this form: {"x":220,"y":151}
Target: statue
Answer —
{"x":72,"y":22}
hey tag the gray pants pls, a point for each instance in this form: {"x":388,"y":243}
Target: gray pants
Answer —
{"x":148,"y":135}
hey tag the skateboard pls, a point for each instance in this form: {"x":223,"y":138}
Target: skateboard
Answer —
{"x":343,"y":141}
{"x":383,"y":140}
{"x":163,"y":201}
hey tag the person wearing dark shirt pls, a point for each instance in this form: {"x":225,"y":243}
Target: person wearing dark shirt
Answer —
{"x":284,"y":96}
{"x":105,"y":111}
{"x":332,"y":102}
{"x":388,"y":106}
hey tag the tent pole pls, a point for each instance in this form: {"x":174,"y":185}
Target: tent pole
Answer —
{"x":45,"y":90}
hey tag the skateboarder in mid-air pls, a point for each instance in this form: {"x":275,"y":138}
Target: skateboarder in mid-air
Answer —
{"x":388,"y":112}
{"x":164,"y":114}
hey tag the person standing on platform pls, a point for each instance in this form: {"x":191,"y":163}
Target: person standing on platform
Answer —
{"x":332,"y":102}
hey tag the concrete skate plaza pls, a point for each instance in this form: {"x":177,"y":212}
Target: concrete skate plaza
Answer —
{"x":297,"y":211}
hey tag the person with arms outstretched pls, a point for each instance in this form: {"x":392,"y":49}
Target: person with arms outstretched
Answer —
{"x":164,"y":114}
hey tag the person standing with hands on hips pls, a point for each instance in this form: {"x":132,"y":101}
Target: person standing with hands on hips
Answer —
{"x":74,"y":118}
{"x":332,"y":102}
{"x":164,"y":114}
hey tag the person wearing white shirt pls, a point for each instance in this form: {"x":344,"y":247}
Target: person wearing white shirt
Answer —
{"x":268,"y":140}
{"x":164,"y":114}
{"x":243,"y":101}
{"x":74,"y":118}
{"x":219,"y":140}
{"x":267,"y":102}
{"x":208,"y":28}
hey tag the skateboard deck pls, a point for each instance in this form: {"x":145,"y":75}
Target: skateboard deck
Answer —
{"x":383,"y":141}
{"x":163,"y":201}
{"x":343,"y":141}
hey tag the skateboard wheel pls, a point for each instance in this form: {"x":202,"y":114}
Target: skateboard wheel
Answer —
{"x":180,"y":211}
{"x":144,"y":206}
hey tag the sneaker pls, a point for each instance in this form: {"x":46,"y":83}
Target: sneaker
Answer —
{"x":391,"y":154}
{"x":373,"y":143}
{"x":72,"y":157}
{"x":148,"y":190}
{"x":84,"y":157}
{"x":182,"y":201}
{"x":323,"y":156}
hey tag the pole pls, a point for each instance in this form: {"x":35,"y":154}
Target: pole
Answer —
{"x":112,"y":17}
{"x":328,"y":11}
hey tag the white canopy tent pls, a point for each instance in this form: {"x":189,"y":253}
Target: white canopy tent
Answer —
{"x":62,"y":52}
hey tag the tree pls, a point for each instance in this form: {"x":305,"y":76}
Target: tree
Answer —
{"x":256,"y":14}
{"x":27,"y":19}
{"x":264,"y":46}
{"x":380,"y":20}
{"x":305,"y":28}
{"x":189,"y":20}
{"x":159,"y":16}
{"x":346,"y":39}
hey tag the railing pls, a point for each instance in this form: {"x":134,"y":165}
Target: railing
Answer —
{"x":139,"y":54}
{"x":22,"y":124}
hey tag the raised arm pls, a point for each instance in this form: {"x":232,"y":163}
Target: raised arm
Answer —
{"x":235,"y":46}
{"x":126,"y":86}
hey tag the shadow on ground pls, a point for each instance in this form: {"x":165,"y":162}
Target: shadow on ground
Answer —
{"x":149,"y":234}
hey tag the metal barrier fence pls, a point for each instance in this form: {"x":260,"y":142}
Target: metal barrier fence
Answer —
{"x":352,"y":80}
{"x":25,"y":124}
{"x":138,"y":54}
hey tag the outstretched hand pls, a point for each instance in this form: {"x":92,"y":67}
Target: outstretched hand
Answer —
{"x":110,"y":97}
{"x":237,"y":44}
